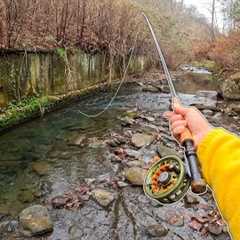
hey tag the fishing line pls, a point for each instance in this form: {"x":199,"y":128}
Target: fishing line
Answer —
{"x":96,"y":115}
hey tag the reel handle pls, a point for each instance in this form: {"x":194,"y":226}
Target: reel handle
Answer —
{"x":198,"y":184}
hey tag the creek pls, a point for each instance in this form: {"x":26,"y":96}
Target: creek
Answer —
{"x":47,"y":157}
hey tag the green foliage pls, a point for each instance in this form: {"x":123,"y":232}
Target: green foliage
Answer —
{"x":61,"y":53}
{"x":18,"y":111}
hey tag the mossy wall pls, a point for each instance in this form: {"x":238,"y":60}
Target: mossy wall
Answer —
{"x":24,"y":73}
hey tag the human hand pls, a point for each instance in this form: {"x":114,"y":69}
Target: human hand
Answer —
{"x":188,"y":117}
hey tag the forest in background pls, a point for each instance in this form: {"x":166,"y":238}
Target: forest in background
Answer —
{"x":107,"y":26}
{"x":116,"y":26}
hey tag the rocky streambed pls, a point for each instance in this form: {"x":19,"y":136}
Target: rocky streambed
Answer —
{"x":82,"y":177}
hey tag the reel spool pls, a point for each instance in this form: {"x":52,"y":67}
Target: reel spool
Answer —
{"x":166,"y":180}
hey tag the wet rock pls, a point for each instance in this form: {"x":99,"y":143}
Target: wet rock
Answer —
{"x":36,"y":220}
{"x":116,"y":140}
{"x":190,"y":200}
{"x":77,"y":140}
{"x":149,"y":119}
{"x":195,"y":225}
{"x":133,"y":153}
{"x":235,"y":107}
{"x":132,"y":114}
{"x":114,"y":158}
{"x":8,"y":226}
{"x":135,"y":175}
{"x":141,"y":140}
{"x":103,"y":197}
{"x":211,"y":95}
{"x":215,"y":228}
{"x":122,"y":184}
{"x":231,"y":87}
{"x":217,"y":116}
{"x":135,"y":164}
{"x":59,"y":202}
{"x":157,"y":230}
{"x":95,"y":143}
{"x":41,"y":168}
{"x":174,"y":218}
{"x":207,"y":112}
{"x":127,"y":121}
{"x":165,"y":151}
{"x":150,"y":88}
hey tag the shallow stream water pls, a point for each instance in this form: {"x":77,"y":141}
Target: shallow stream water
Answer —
{"x":38,"y":161}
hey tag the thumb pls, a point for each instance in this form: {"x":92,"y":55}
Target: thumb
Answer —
{"x":179,"y":109}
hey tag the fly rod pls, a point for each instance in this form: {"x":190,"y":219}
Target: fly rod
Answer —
{"x":198,"y":184}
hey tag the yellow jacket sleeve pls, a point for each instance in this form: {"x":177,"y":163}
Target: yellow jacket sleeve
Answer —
{"x":219,"y":155}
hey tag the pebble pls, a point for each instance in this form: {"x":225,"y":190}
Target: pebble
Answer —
{"x":103,"y":197}
{"x":59,"y":202}
{"x":215,"y":228}
{"x":190,"y":200}
{"x":157,"y":230}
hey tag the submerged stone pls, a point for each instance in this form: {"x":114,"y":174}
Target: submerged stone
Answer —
{"x":41,"y":168}
{"x":141,"y":140}
{"x":36,"y":220}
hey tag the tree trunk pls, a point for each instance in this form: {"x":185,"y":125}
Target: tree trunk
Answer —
{"x":213,"y":19}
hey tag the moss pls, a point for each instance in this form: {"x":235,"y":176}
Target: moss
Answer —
{"x":16,"y":112}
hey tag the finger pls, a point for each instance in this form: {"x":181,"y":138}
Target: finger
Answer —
{"x":175,"y":117}
{"x":168,"y":114}
{"x":179,"y":123}
{"x":178,"y":130}
{"x":179,"y":109}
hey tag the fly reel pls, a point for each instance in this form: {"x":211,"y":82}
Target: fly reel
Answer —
{"x":166,"y":180}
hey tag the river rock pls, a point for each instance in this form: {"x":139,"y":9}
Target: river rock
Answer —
{"x":141,"y":140}
{"x":165,"y":151}
{"x":231,"y":87}
{"x":36,"y":220}
{"x":235,"y":107}
{"x":76,"y":140}
{"x":59,"y":202}
{"x":174,"y":218}
{"x":190,"y":200}
{"x":135,"y":175}
{"x":103,"y":197}
{"x":8,"y":226}
{"x":208,"y":94}
{"x":215,"y":228}
{"x":157,"y":230}
{"x":136,"y":163}
{"x":150,"y":88}
{"x":133,"y":153}
{"x":41,"y":168}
